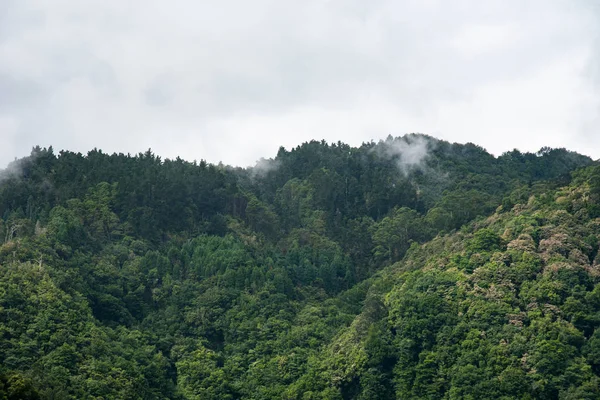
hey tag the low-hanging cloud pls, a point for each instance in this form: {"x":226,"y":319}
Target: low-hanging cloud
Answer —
{"x":15,"y":168}
{"x":263,"y":167}
{"x":409,"y":152}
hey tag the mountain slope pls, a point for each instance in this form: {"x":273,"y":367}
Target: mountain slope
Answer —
{"x":506,"y":308}
{"x":132,"y":277}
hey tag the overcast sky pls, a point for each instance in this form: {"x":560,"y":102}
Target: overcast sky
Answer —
{"x":233,"y":80}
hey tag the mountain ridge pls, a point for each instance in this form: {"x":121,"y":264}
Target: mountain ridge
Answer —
{"x":307,"y":276}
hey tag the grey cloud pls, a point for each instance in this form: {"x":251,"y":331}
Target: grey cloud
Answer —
{"x":161,"y":90}
{"x":16,"y":93}
{"x":234,"y":81}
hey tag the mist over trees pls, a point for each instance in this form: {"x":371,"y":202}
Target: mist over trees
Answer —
{"x":407,"y":268}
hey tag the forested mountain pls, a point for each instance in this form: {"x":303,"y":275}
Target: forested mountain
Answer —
{"x":411,"y":268}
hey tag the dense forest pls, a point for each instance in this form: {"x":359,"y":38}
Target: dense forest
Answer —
{"x":410,"y":268}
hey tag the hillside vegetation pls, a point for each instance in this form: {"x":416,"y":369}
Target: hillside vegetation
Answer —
{"x":411,"y":268}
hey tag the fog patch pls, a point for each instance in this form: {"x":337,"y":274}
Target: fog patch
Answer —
{"x":263,"y":167}
{"x":410,"y":152}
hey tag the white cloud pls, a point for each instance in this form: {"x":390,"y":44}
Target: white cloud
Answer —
{"x":474,"y":40}
{"x":527,"y":113}
{"x":234,"y":81}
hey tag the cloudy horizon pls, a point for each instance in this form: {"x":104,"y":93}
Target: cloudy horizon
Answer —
{"x":236,"y":81}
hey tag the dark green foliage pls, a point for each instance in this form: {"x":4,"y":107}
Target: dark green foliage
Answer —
{"x":333,"y":273}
